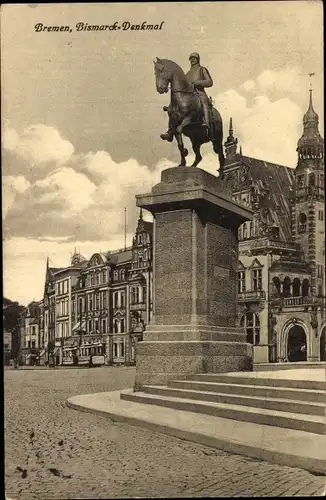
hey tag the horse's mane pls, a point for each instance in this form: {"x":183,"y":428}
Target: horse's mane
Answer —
{"x":172,"y":65}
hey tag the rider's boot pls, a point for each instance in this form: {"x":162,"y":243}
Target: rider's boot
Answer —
{"x":168,"y":136}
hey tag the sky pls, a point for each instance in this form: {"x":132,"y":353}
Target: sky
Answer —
{"x":81,"y":117}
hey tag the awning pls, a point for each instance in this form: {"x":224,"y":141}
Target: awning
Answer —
{"x":56,"y":351}
{"x":42,"y":352}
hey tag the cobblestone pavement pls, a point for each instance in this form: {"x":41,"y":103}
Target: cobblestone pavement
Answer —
{"x":54,"y":452}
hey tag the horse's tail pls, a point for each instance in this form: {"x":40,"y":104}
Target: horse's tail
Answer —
{"x":217,"y":139}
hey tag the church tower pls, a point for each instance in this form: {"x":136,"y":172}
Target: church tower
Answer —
{"x":308,"y":201}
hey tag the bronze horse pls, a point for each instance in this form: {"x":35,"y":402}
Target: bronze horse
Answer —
{"x":185,"y":113}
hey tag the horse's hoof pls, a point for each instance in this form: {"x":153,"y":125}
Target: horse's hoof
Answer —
{"x":165,"y":108}
{"x":185,"y":152}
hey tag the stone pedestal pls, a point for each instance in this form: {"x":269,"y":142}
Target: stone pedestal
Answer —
{"x":195,"y":257}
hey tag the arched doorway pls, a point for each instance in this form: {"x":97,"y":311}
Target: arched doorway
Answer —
{"x":297,"y":344}
{"x":323,"y":345}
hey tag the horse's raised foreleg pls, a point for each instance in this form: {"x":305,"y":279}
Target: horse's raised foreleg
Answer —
{"x":182,"y":149}
{"x":198,"y":157}
{"x":186,"y":121}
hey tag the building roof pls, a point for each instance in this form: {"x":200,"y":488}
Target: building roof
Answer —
{"x":278,"y":180}
{"x":121,"y":256}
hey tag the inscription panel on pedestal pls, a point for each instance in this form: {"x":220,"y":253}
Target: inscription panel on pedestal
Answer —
{"x":173,"y":263}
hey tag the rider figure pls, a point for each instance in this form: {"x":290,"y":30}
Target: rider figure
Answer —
{"x":201,"y":79}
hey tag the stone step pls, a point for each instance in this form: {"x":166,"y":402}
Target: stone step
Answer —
{"x":288,"y":447}
{"x":294,"y":406}
{"x":318,"y":385}
{"x":312,"y":395}
{"x":306,"y":423}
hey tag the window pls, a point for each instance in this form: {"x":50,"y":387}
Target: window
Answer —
{"x":250,"y":230}
{"x":122,"y":299}
{"x":250,"y":321}
{"x":122,"y":325}
{"x":29,"y":344}
{"x":97,"y":278}
{"x":311,"y":179}
{"x":103,"y":276}
{"x":320,"y":215}
{"x":245,"y":231}
{"x":96,"y":325}
{"x":33,"y":344}
{"x":104,"y":299}
{"x":302,"y":223}
{"x":116,"y":326}
{"x":240,"y":231}
{"x":103,"y":325}
{"x":115,"y":300}
{"x":97,"y":301}
{"x":300,"y":181}
{"x":320,"y":271}
{"x":122,"y":274}
{"x":115,"y":349}
{"x":115,"y":275}
{"x":256,"y":279}
{"x":241,"y":281}
{"x":89,"y":326}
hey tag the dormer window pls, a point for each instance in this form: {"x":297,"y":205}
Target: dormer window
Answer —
{"x":302,"y":223}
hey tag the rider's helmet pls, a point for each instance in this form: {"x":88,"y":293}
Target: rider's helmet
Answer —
{"x":194,"y":54}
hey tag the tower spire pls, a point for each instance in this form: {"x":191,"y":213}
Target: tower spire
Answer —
{"x":230,"y":145}
{"x":231,"y":128}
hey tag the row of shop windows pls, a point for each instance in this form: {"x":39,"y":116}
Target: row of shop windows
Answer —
{"x":118,"y":350}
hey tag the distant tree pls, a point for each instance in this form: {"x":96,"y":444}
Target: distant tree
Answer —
{"x":11,"y":322}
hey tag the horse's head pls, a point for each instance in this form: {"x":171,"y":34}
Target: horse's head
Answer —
{"x":163,"y":76}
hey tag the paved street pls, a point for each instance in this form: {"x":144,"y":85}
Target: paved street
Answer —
{"x":55,"y":452}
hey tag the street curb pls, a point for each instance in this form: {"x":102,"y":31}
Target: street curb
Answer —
{"x":314,"y":466}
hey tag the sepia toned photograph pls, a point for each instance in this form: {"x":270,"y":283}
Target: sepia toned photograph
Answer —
{"x":164,"y":297}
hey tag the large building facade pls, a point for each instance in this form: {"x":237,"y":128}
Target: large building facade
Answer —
{"x":98,"y":308}
{"x":281,"y":282}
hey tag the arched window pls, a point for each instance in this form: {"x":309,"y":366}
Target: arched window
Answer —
{"x":305,"y":288}
{"x":250,"y":321}
{"x":287,"y":287}
{"x":122,"y":323}
{"x":311,"y":179}
{"x":302,"y":223}
{"x":296,"y":287}
{"x":276,"y":289}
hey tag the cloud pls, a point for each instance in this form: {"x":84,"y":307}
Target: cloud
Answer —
{"x":25,"y":262}
{"x":248,"y":85}
{"x":38,"y":145}
{"x":11,"y":186}
{"x":285,"y":80}
{"x":84,"y":198}
{"x":267,"y":129}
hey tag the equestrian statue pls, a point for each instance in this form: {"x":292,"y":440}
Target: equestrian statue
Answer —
{"x":190,"y":112}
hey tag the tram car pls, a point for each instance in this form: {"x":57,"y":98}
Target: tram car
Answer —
{"x":70,"y":356}
{"x":92,"y":354}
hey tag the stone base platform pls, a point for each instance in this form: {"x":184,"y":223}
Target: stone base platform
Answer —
{"x":256,"y":432}
{"x":189,"y":349}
